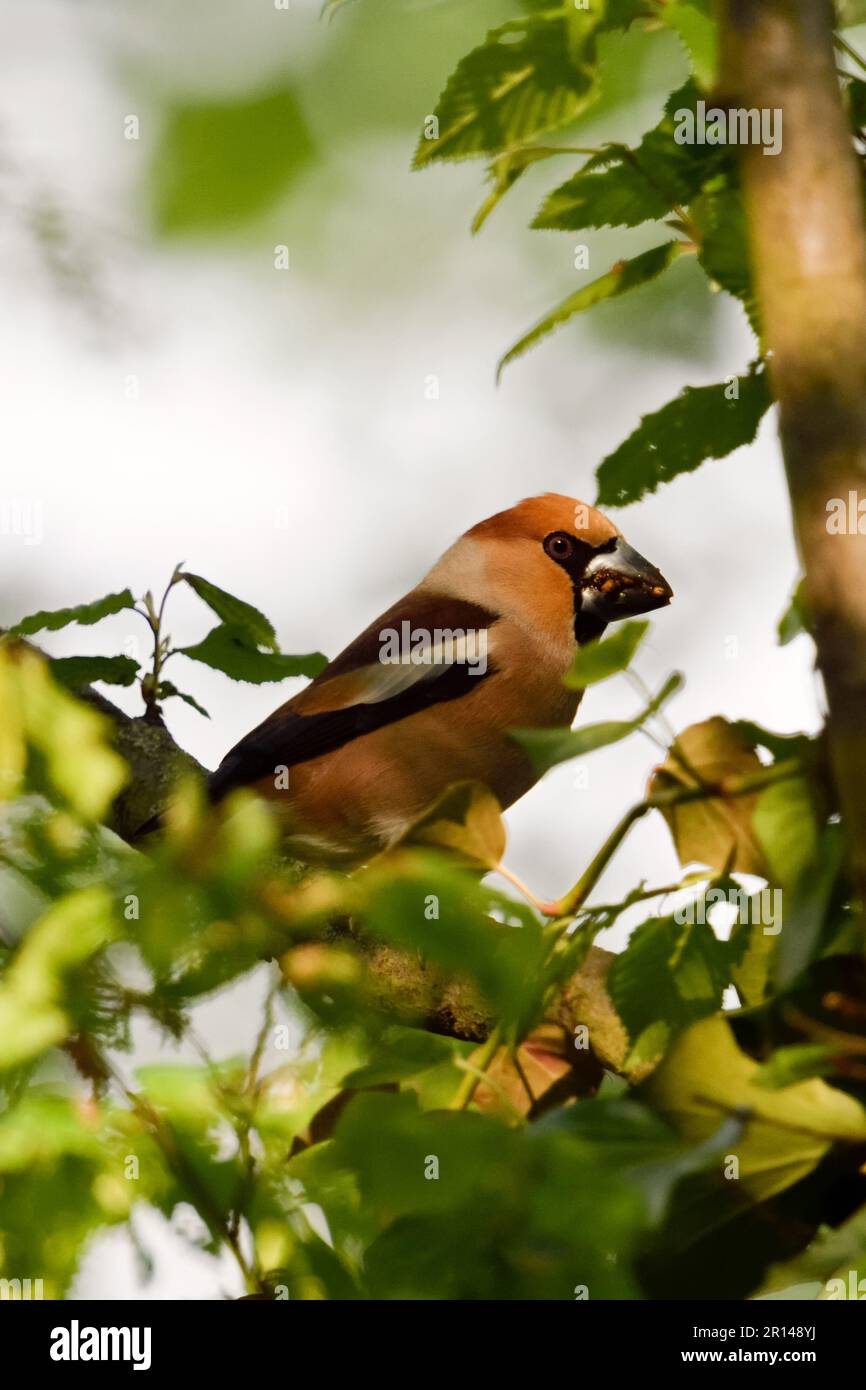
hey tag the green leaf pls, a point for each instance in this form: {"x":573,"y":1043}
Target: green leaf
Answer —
{"x":401,"y":1053}
{"x":703,"y":422}
{"x":606,"y":656}
{"x":807,"y":907}
{"x":255,"y":626}
{"x":621,"y":187}
{"x":227,"y":649}
{"x":670,"y":973}
{"x":505,"y":170}
{"x":167,"y":691}
{"x":522,"y":80}
{"x":856,"y":91}
{"x":622,"y":277}
{"x":76,"y":671}
{"x":422,"y":902}
{"x":693,"y":21}
{"x":706,"y":1076}
{"x":797,"y":617}
{"x":84,"y":613}
{"x":724,"y":247}
{"x":547,"y":747}
{"x":798,"y":1062}
{"x":72,"y":740}
{"x":32,"y":1013}
{"x":786,"y":824}
{"x":220,"y":163}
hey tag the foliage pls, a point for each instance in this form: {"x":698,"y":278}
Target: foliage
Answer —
{"x":716,"y":1075}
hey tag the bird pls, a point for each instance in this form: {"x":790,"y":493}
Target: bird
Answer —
{"x":428,"y":694}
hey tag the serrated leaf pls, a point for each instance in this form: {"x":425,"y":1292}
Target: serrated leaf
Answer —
{"x":83,"y":613}
{"x":693,"y":21}
{"x":724,"y":247}
{"x":715,"y":832}
{"x":235,"y":611}
{"x":622,"y":277}
{"x":219,"y":163}
{"x":606,"y":656}
{"x":167,"y":691}
{"x":622,"y":187}
{"x":522,"y":80}
{"x":226,"y":649}
{"x":670,"y":973}
{"x":76,"y":671}
{"x":703,"y":422}
{"x":547,"y":747}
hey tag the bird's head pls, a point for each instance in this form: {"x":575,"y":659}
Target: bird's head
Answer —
{"x":552,"y":558}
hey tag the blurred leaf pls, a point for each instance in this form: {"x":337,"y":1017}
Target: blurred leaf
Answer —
{"x":622,"y":277}
{"x":547,"y":747}
{"x":72,"y":740}
{"x":76,"y":671}
{"x":838,"y":1252}
{"x":807,"y":905}
{"x":167,"y":691}
{"x":13,"y":747}
{"x":856,"y":92}
{"x":32,"y":1013}
{"x":83,"y":613}
{"x":796,"y":618}
{"x":60,"y":1183}
{"x":227,"y":649}
{"x":467,"y":818}
{"x":703,"y":422}
{"x":693,"y":21}
{"x":606,"y":656}
{"x":234,"y":611}
{"x":851,"y":13}
{"x":786,"y":825}
{"x":423,"y":902}
{"x":399,"y":1054}
{"x":531,"y":1213}
{"x":798,"y":1062}
{"x":220,"y":163}
{"x":622,"y":187}
{"x":713,"y":831}
{"x":706,"y":1076}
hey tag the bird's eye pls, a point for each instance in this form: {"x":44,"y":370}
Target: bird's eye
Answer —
{"x":559,"y":546}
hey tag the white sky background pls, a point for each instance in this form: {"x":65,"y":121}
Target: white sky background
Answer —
{"x":282,"y":444}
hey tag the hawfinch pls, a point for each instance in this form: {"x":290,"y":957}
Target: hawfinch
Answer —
{"x":427,"y":694}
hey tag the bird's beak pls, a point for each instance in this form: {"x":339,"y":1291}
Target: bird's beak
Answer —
{"x":620,"y":584}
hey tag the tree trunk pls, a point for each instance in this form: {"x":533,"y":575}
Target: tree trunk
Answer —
{"x":805,"y":213}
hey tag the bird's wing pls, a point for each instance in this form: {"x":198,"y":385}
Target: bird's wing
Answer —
{"x":358,"y":692}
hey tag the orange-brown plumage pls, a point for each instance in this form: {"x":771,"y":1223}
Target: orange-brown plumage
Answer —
{"x":374,"y":739}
